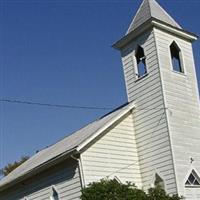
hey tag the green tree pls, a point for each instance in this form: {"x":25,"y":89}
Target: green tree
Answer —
{"x":113,"y":190}
{"x":11,"y":166}
{"x":158,"y":193}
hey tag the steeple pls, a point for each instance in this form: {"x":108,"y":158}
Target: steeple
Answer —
{"x":160,"y":79}
{"x":150,"y":9}
{"x":150,"y":15}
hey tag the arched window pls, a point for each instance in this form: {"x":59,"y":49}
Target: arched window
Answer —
{"x":193,"y":180}
{"x":176,"y":57}
{"x":141,"y":63}
{"x":159,"y":181}
{"x":54,"y":194}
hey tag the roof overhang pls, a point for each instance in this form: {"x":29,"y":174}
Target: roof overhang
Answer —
{"x":67,"y":154}
{"x":150,"y":24}
{"x":126,"y":110}
{"x":40,"y":168}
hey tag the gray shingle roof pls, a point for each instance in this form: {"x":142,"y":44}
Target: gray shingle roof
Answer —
{"x":151,"y":9}
{"x":73,"y":141}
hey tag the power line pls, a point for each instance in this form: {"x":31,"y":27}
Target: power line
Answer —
{"x":54,"y":105}
{"x":34,"y":103}
{"x":91,"y":108}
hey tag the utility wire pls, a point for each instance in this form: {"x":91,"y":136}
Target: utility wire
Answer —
{"x":91,"y":108}
{"x":34,"y":103}
{"x":54,"y":105}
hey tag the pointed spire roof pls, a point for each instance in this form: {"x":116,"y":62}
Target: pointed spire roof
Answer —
{"x":151,"y":9}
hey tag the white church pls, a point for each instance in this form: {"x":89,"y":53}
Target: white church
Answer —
{"x":153,"y":139}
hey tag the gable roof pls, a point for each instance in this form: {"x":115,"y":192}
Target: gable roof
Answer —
{"x":73,"y":143}
{"x":151,"y":9}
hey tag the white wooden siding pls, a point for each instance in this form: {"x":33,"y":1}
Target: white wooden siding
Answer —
{"x":182,"y":98}
{"x":65,"y":178}
{"x":115,"y":151}
{"x":192,"y":194}
{"x":150,"y":123}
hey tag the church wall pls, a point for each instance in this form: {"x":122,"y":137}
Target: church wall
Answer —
{"x":182,"y":98}
{"x":152,"y":137}
{"x":114,"y":154}
{"x":65,"y":178}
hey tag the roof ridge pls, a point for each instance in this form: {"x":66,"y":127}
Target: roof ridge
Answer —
{"x":167,"y":14}
{"x":115,"y":109}
{"x":148,"y":3}
{"x":83,"y":126}
{"x":129,"y":29}
{"x":150,"y":9}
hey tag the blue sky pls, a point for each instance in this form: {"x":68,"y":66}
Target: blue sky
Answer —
{"x":59,"y":52}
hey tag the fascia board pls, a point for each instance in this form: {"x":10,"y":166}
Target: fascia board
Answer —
{"x":152,"y":22}
{"x":40,"y":168}
{"x":104,"y":128}
{"x":181,"y":33}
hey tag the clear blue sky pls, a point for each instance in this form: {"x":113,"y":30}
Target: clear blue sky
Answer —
{"x":58,"y":51}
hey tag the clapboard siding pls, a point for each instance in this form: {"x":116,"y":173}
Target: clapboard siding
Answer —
{"x":182,"y":98}
{"x":150,"y":124}
{"x":192,"y":195}
{"x":65,"y":177}
{"x":115,"y":151}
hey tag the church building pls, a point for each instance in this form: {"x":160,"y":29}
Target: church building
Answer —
{"x":153,"y":139}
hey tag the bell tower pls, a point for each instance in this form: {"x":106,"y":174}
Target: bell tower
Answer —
{"x":160,"y":78}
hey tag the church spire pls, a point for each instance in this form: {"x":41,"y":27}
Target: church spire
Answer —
{"x":150,"y":9}
{"x":151,"y":15}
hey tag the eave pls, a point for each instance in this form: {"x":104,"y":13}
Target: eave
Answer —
{"x":150,"y":24}
{"x":26,"y":172}
{"x":40,"y":168}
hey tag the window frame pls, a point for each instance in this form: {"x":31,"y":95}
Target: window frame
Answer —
{"x":153,"y":178}
{"x":138,"y":76}
{"x":181,"y":61}
{"x":197,"y":177}
{"x":162,"y":180}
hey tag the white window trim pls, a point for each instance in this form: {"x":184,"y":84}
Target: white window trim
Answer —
{"x":187,"y":176}
{"x":180,"y":56}
{"x":137,"y":77}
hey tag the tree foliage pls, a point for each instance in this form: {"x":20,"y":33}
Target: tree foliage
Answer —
{"x":11,"y":166}
{"x":113,"y":190}
{"x":159,"y":194}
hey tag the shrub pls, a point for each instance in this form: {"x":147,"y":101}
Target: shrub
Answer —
{"x":113,"y":190}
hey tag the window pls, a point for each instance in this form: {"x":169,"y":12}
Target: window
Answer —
{"x":175,"y":57}
{"x":54,"y":194}
{"x":141,"y":63}
{"x":193,"y":179}
{"x":159,"y":181}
